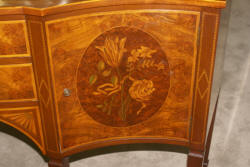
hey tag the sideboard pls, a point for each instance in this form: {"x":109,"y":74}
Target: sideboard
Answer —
{"x":78,"y":75}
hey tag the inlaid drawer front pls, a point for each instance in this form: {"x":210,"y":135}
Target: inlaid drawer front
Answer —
{"x":13,"y":39}
{"x":17,"y":82}
{"x":123,"y":74}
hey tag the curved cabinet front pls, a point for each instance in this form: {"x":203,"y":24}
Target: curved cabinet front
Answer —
{"x":18,"y":95}
{"x":123,"y":75}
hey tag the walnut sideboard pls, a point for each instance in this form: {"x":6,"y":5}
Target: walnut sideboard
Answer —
{"x":78,"y":75}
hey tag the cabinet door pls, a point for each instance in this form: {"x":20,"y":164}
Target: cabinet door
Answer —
{"x":123,"y":75}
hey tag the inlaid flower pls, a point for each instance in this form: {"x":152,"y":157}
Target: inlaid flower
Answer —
{"x":141,"y":91}
{"x":113,"y":50}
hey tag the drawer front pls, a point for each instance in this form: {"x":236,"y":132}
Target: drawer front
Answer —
{"x":16,"y":72}
{"x":126,"y":74}
{"x":17,"y":82}
{"x":13,"y":39}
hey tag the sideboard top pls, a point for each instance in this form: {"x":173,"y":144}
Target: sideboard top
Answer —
{"x":47,"y":7}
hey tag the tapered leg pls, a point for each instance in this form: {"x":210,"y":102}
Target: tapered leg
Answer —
{"x":59,"y":162}
{"x":195,"y":159}
{"x":209,"y":138}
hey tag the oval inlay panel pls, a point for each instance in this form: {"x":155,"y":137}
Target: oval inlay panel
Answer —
{"x":123,"y":77}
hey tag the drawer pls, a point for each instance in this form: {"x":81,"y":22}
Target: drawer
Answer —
{"x":14,"y":40}
{"x":17,"y":82}
{"x":124,"y":74}
{"x":16,"y":71}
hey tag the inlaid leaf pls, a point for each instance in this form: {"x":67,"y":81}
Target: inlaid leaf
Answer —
{"x":114,"y":80}
{"x":101,"y":65}
{"x":106,"y":73}
{"x":92,"y":79}
{"x":99,"y":106}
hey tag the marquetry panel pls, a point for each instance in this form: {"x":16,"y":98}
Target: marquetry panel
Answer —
{"x":209,"y":29}
{"x":17,"y":82}
{"x":27,"y":120}
{"x":123,"y":74}
{"x":13,"y":39}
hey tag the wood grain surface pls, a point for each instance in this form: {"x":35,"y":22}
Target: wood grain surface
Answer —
{"x":46,"y":8}
{"x":13,"y":38}
{"x":17,"y":82}
{"x":68,"y":39}
{"x":57,"y":3}
{"x":210,"y":22}
{"x":27,"y":120}
{"x":95,"y":73}
{"x":42,"y":76}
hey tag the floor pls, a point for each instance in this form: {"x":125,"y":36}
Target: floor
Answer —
{"x":230,"y":146}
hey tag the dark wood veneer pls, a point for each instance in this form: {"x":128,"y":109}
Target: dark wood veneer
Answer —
{"x":91,"y":74}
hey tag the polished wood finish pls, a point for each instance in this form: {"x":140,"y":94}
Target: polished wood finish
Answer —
{"x":89,"y":74}
{"x":32,"y":7}
{"x":176,"y":108}
{"x":58,"y":3}
{"x":207,"y":50}
{"x":13,"y":38}
{"x":43,"y":80}
{"x":27,"y":120}
{"x":18,"y":92}
{"x":17,"y":82}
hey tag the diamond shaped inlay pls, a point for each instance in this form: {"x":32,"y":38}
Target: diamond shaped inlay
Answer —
{"x":203,"y":84}
{"x":44,"y":93}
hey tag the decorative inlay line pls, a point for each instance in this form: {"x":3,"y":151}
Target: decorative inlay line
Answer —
{"x":44,"y":94}
{"x":15,"y":55}
{"x":43,"y":79}
{"x":203,"y":80}
{"x":204,"y":75}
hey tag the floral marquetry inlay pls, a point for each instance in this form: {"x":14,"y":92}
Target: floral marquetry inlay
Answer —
{"x":123,"y":80}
